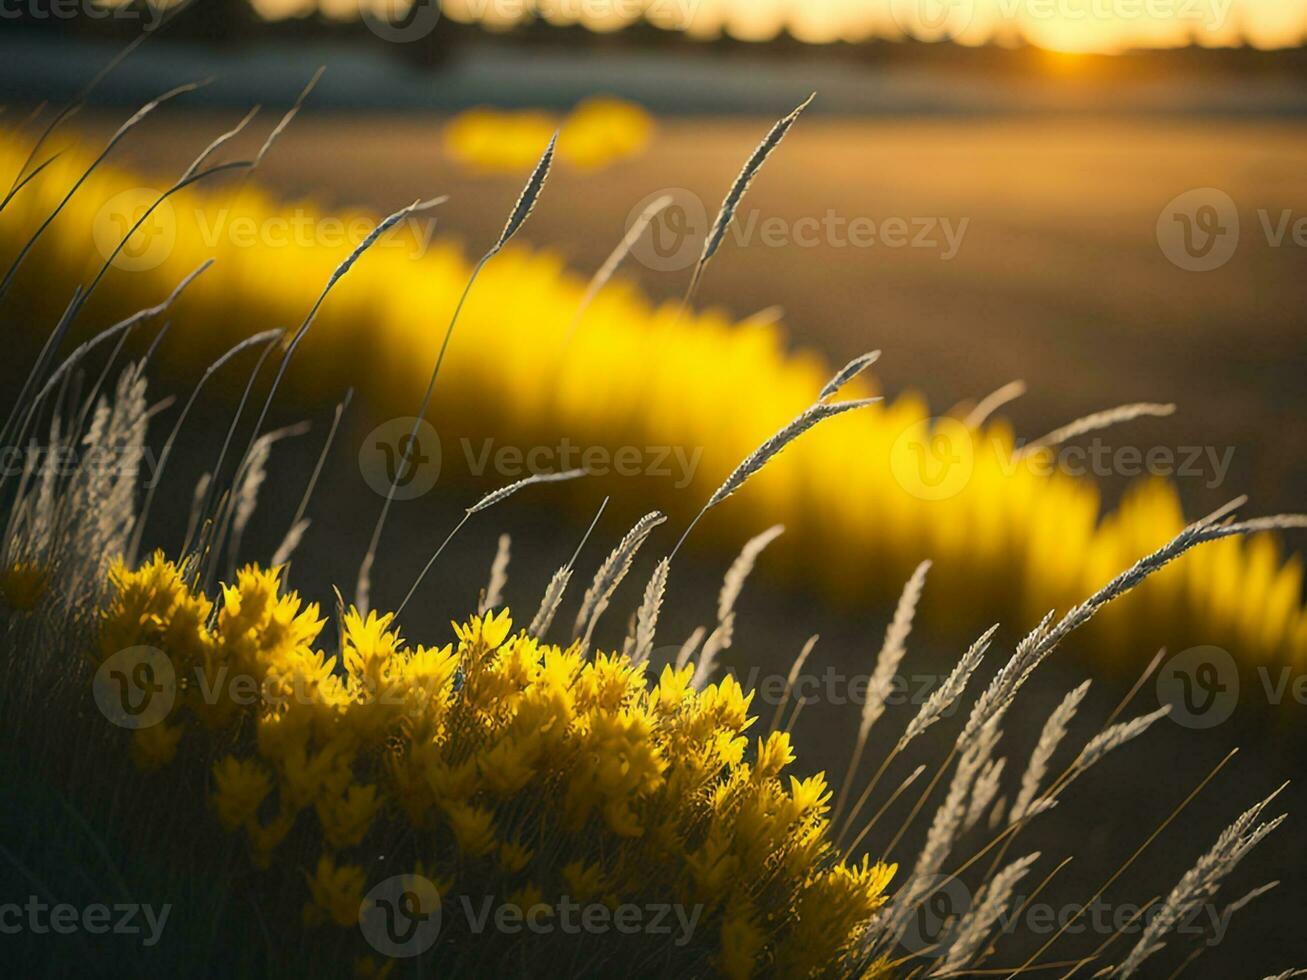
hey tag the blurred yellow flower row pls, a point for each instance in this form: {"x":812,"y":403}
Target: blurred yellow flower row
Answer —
{"x":866,"y":497}
{"x":597,"y":133}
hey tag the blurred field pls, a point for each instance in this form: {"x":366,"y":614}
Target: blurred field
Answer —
{"x":1059,"y":278}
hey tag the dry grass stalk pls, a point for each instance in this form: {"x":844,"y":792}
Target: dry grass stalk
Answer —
{"x":266,"y":337}
{"x":493,"y":597}
{"x":735,"y":195}
{"x":984,"y":792}
{"x":690,"y":646}
{"x":610,"y":575}
{"x":974,"y":927}
{"x":299,"y":523}
{"x":718,"y":640}
{"x":549,"y":604}
{"x":503,"y":493}
{"x":646,"y":617}
{"x":733,"y":583}
{"x":944,"y":697}
{"x":1098,"y":421}
{"x":1050,"y":737}
{"x":289,"y":116}
{"x":847,"y":373}
{"x":1201,"y":882}
{"x":486,"y":502}
{"x":114,"y":140}
{"x":992,"y":402}
{"x":526,"y":201}
{"x":553,"y":596}
{"x":605,"y":272}
{"x":791,"y":679}
{"x":756,"y":460}
{"x":521,"y":211}
{"x":892,"y":651}
{"x":1116,"y":736}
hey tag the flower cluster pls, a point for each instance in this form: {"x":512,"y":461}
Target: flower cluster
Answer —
{"x":22,"y":584}
{"x":522,"y":769}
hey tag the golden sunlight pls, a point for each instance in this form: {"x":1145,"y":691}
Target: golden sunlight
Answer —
{"x":1062,"y":25}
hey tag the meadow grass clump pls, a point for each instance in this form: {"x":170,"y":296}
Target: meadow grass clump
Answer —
{"x":314,"y":794}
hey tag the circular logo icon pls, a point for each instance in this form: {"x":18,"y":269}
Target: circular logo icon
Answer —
{"x":932,"y":20}
{"x":148,"y":225}
{"x":401,"y":21}
{"x":136,"y":687}
{"x":929,"y":931}
{"x":403,"y":453}
{"x":933,"y":459}
{"x":674,"y":239}
{"x":400,"y":917}
{"x":1199,"y":230}
{"x":1201,"y":685}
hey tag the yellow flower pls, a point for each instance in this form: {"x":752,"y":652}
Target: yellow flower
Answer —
{"x":336,"y":892}
{"x":881,"y":969}
{"x":527,"y":898}
{"x":452,"y":783}
{"x":346,"y":819}
{"x":473,"y":826}
{"x":513,"y":857}
{"x":584,"y":881}
{"x":485,"y":632}
{"x":22,"y":584}
{"x":831,"y":913}
{"x":742,"y":941}
{"x":155,"y":746}
{"x":368,"y":644}
{"x":240,"y":786}
{"x":810,"y":793}
{"x":774,"y":754}
{"x":266,"y":838}
{"x":506,"y":767}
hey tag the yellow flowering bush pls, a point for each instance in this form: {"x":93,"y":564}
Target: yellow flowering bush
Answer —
{"x":497,"y":765}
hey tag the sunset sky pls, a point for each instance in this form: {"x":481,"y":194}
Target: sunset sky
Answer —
{"x":1067,"y":25}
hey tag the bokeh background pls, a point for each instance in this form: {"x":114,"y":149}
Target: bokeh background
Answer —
{"x":1055,"y":140}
